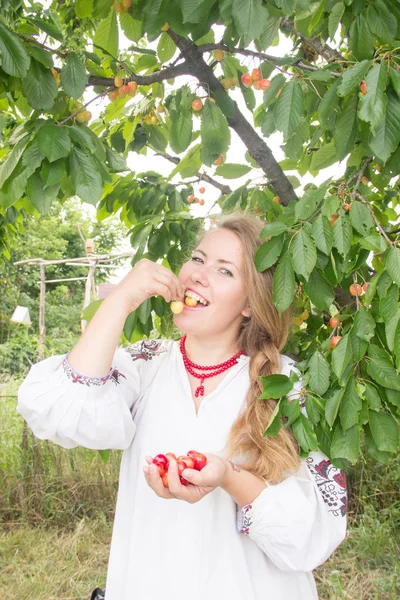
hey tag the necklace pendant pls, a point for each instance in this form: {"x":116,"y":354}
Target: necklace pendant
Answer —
{"x":199,"y":391}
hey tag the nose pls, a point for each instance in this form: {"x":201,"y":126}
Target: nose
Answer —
{"x":199,"y":274}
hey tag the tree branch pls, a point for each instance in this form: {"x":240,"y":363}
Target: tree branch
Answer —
{"x":225,"y":189}
{"x":157,"y":76}
{"x":256,"y":146}
{"x":318,"y":45}
{"x":267,"y":57}
{"x":364,"y":201}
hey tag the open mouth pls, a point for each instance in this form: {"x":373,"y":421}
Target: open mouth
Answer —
{"x":193,"y":300}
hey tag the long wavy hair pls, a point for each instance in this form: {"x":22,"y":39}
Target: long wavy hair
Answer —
{"x":262,"y":336}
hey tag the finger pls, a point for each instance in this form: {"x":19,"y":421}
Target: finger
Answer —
{"x":174,"y":483}
{"x":149,"y":460}
{"x":192,"y":476}
{"x":155,"y":480}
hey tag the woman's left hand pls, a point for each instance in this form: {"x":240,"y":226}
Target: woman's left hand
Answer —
{"x":200,"y":482}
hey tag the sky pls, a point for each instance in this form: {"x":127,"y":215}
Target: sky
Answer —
{"x":140,"y":163}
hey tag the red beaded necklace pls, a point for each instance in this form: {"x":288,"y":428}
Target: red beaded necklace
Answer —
{"x":202,"y":376}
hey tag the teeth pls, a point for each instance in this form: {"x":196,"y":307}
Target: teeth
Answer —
{"x":196,"y":297}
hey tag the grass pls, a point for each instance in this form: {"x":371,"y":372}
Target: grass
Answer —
{"x":57,"y":508}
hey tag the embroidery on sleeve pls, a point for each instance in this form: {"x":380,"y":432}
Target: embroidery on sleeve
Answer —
{"x":146,"y":349}
{"x":331,"y":483}
{"x":244,"y":518}
{"x":114,"y":375}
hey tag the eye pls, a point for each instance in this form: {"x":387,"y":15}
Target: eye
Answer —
{"x":194,"y":258}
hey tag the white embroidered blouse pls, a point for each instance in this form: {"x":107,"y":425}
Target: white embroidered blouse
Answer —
{"x":169,"y":549}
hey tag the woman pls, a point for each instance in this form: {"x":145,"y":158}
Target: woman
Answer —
{"x":256,"y":520}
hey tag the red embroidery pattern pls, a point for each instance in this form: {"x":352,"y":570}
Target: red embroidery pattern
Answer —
{"x":114,"y":375}
{"x":331,"y":483}
{"x":244,"y":518}
{"x":146,"y":349}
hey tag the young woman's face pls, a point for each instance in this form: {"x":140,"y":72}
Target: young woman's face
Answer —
{"x":222,"y":284}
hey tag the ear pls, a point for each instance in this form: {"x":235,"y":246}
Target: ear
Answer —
{"x":246,"y":312}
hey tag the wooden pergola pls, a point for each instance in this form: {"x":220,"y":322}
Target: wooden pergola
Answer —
{"x":91,"y":261}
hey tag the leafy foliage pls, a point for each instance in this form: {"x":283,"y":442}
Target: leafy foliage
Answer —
{"x":334,"y":97}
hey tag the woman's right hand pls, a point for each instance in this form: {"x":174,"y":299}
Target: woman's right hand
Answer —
{"x":145,"y":280}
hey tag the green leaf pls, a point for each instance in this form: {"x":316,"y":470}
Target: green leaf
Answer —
{"x":372,"y":106}
{"x":86,"y":178}
{"x":232,"y":171}
{"x":361,"y":218}
{"x":395,"y":80}
{"x":166,"y":47}
{"x":332,"y":406}
{"x":334,"y":18}
{"x":373,"y":242}
{"x":322,"y":234}
{"x":372,"y":449}
{"x":289,"y":108}
{"x":342,"y":235}
{"x":383,"y":373}
{"x":73,"y":76}
{"x":396,"y":345}
{"x":346,"y":444}
{"x":303,"y":253}
{"x":387,"y":136}
{"x":106,"y":35}
{"x":90,"y":310}
{"x":290,"y":409}
{"x":352,"y":77}
{"x":268,"y":253}
{"x":364,"y":324}
{"x":144,"y":311}
{"x":41,"y":55}
{"x":195,"y":10}
{"x":53,"y":142}
{"x":350,"y":405}
{"x":384,"y":430}
{"x":372,"y":396}
{"x":341,"y":356}
{"x":284,"y":283}
{"x":304,"y":433}
{"x":346,"y":128}
{"x":52,"y":173}
{"x":277,"y":83}
{"x":250,"y":18}
{"x":272,"y":229}
{"x":324,"y":157}
{"x":83,"y":8}
{"x":309,"y":203}
{"x":275,"y":423}
{"x":389,"y":303}
{"x":116,"y":162}
{"x":327,"y":106}
{"x":14,"y":58}
{"x":181,"y":131}
{"x":390,"y":328}
{"x":12,"y":159}
{"x":381,"y":21}
{"x":132,"y":28}
{"x":49,"y":27}
{"x":39,"y":86}
{"x":215,"y":132}
{"x":392,"y":264}
{"x":319,"y":290}
{"x":275,"y":386}
{"x":319,"y":373}
{"x":41,"y":196}
{"x":190,"y":164}
{"x":360,"y":42}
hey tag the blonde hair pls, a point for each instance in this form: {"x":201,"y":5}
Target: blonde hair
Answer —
{"x":262,"y":336}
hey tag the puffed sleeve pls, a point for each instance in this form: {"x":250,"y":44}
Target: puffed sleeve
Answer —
{"x":299,"y":522}
{"x":72,"y":409}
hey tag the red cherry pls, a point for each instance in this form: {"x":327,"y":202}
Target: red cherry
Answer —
{"x":256,"y":74}
{"x":333,"y":322}
{"x":363,"y":87}
{"x":170,"y":455}
{"x":200,"y":460}
{"x":202,"y":190}
{"x":162,"y":463}
{"x":188,"y":460}
{"x":165,"y":479}
{"x":264,"y":84}
{"x":335,"y":340}
{"x":197,"y":104}
{"x":247,"y":79}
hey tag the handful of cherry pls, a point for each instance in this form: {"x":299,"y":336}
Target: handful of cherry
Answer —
{"x":193,"y":460}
